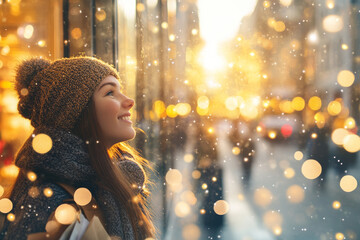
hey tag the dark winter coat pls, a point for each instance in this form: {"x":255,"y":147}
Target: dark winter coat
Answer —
{"x":67,"y":162}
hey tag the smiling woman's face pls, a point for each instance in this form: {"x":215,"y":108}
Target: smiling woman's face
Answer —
{"x":113,"y":112}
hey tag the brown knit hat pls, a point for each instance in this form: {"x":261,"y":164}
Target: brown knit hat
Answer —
{"x":53,"y":94}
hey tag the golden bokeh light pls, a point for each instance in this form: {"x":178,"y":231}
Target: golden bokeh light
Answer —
{"x":277,"y":231}
{"x":10,"y":217}
{"x":33,"y":192}
{"x":330,"y":4}
{"x":164,"y":25}
{"x":272,"y":219}
{"x":196,"y":174}
{"x":311,"y":169}
{"x":201,"y":111}
{"x":320,"y":119}
{"x":189,"y":197}
{"x":194,"y":31}
{"x":202,"y":211}
{"x":286,"y":3}
{"x":286,"y":106}
{"x":182,"y":209}
{"x":231,"y":103}
{"x":210,"y":130}
{"x":172,"y":37}
{"x":188,"y":157}
{"x":279,"y":26}
{"x":6,"y":205}
{"x":350,"y":123}
{"x":295,"y":194}
{"x":235,"y":150}
{"x":183,"y":109}
{"x":334,"y":108}
{"x":76,"y":33}
{"x":314,"y":103}
{"x":221,"y":207}
{"x":24,"y":91}
{"x":289,"y":173}
{"x":352,"y":143}
{"x":271,"y":22}
{"x":191,"y":232}
{"x":28,"y":31}
{"x":336,"y":205}
{"x":344,"y":46}
{"x":52,"y":226}
{"x":10,"y":171}
{"x":140,"y":7}
{"x":339,"y":236}
{"x":338,"y":135}
{"x":82,"y":196}
{"x":48,"y":192}
{"x":170,"y":111}
{"x":31,"y":176}
{"x":159,"y":108}
{"x":174,"y":177}
{"x":298,"y":155}
{"x":42,"y":143}
{"x":348,"y":183}
{"x":203,"y":102}
{"x":41,"y":43}
{"x":314,"y":135}
{"x":266,"y":4}
{"x":241,"y":197}
{"x":272,"y":134}
{"x":65,"y":214}
{"x":266,"y":103}
{"x":263,"y":197}
{"x":298,"y":103}
{"x":345,"y":78}
{"x":249,"y":111}
{"x":204,"y":186}
{"x":100,"y":15}
{"x":5,"y":50}
{"x":333,"y":23}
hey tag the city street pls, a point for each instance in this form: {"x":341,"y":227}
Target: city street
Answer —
{"x":268,"y":208}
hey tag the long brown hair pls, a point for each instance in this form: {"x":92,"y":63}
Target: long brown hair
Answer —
{"x":110,"y":175}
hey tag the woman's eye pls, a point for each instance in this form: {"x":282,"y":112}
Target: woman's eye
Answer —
{"x":110,"y":93}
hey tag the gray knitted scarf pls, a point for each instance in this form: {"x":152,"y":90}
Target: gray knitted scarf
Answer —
{"x":68,"y":162}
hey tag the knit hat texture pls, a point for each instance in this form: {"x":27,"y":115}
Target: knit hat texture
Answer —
{"x":54,"y":94}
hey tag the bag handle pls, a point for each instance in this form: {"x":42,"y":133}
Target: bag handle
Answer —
{"x":91,"y":209}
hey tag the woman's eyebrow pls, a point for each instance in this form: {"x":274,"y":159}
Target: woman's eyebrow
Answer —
{"x":108,"y":83}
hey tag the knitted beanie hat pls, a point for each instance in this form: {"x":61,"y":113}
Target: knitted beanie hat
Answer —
{"x":53,"y":94}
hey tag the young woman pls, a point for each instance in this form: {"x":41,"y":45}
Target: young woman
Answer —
{"x":78,"y":103}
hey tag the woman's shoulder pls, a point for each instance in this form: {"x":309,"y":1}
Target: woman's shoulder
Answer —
{"x":33,"y":204}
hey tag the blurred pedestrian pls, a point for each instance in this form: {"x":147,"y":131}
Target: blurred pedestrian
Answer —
{"x":241,"y":136}
{"x":78,"y":103}
{"x":210,"y":185}
{"x":318,"y":149}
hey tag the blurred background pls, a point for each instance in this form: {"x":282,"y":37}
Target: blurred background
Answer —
{"x":250,"y":109}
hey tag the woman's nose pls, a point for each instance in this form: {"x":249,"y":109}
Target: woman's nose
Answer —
{"x":128,"y":102}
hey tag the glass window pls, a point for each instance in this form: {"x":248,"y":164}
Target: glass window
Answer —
{"x":24,"y":33}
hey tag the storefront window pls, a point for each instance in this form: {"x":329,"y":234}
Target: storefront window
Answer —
{"x":25,"y":31}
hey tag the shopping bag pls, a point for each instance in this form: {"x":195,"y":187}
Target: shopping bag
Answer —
{"x":75,"y":230}
{"x":80,"y":229}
